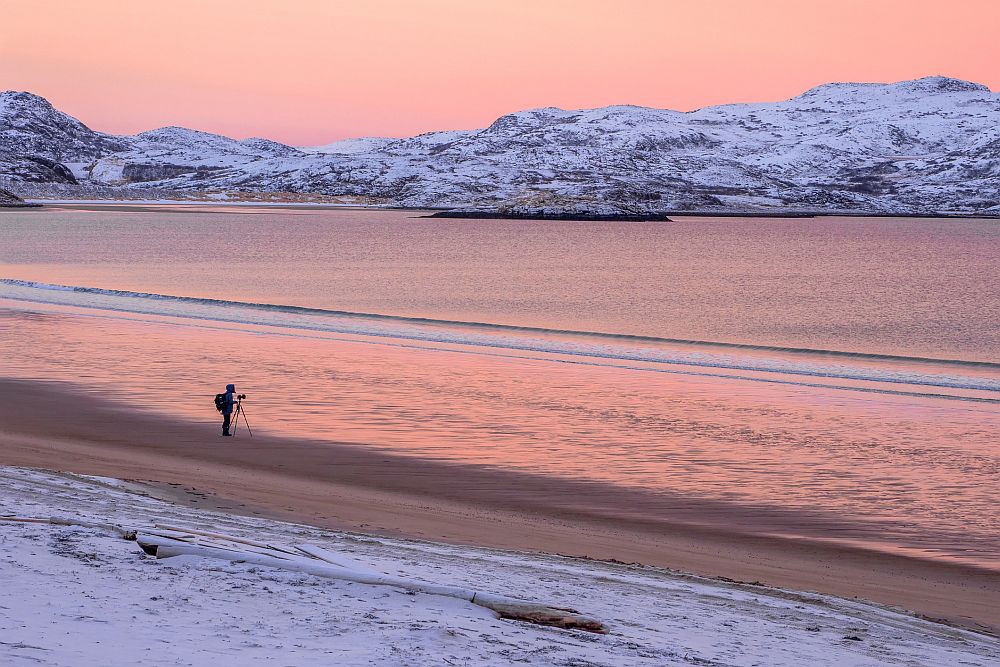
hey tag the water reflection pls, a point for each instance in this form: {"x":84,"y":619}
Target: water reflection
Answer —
{"x":905,"y":471}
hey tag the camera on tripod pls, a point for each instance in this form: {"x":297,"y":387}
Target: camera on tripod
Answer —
{"x":240,"y":412}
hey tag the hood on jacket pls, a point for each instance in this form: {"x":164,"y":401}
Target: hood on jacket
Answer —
{"x":230,"y":388}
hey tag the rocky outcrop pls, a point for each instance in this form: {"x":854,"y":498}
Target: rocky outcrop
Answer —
{"x":33,"y":169}
{"x":30,"y":126}
{"x":143,"y":173}
{"x":583,"y":214}
{"x":10,"y":200}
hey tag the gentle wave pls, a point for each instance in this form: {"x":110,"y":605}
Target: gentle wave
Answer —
{"x":487,"y":325}
{"x":705,"y":354}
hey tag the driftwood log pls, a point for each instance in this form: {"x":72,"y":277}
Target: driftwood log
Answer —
{"x":163,"y":541}
{"x":505,"y":607}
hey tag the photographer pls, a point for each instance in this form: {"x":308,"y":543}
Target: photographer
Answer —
{"x":227,"y":409}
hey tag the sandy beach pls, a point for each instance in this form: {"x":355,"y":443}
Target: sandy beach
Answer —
{"x":419,"y":601}
{"x":344,"y":486}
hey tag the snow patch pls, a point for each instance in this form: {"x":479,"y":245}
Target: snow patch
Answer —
{"x":85,"y":597}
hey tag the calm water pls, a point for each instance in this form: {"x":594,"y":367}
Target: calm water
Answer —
{"x":348,"y":326}
{"x":904,"y":287}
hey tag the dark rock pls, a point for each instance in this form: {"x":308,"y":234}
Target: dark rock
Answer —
{"x":34,"y":169}
{"x":9,"y":200}
{"x":139,"y":173}
{"x":539,"y":214}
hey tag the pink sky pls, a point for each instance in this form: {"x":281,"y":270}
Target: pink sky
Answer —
{"x":312,"y":71}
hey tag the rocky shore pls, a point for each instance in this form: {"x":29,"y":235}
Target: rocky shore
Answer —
{"x":10,"y":200}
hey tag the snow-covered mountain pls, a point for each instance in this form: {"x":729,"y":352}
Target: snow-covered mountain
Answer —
{"x":928,"y":145}
{"x":351,"y":146}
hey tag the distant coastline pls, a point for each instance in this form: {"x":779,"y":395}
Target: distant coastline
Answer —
{"x":496,"y":214}
{"x":669,"y":215}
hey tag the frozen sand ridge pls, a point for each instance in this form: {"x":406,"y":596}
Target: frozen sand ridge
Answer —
{"x":82,"y":597}
{"x":920,"y":146}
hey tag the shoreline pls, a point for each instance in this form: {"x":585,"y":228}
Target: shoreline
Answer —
{"x":347,"y":487}
{"x":442,"y":212}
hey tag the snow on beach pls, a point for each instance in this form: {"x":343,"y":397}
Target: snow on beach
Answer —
{"x":81,"y":596}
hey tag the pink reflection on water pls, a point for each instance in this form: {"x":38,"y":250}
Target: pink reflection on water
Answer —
{"x":908,"y":472}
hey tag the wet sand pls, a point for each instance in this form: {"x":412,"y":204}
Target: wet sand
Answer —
{"x":346,"y":486}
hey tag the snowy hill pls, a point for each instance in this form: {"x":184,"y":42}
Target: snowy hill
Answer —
{"x":38,"y":142}
{"x":928,"y":145}
{"x":350,"y":146}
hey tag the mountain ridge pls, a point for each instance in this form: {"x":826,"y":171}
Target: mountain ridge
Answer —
{"x":918,"y":146}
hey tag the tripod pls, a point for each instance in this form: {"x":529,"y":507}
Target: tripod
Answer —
{"x":236,"y":419}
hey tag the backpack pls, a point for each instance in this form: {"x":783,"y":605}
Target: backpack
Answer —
{"x":220,"y":402}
